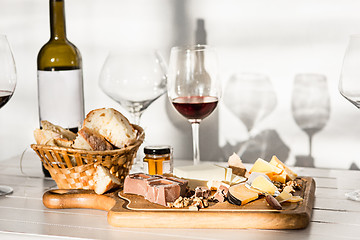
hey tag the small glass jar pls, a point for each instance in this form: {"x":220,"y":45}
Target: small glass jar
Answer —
{"x":158,"y":160}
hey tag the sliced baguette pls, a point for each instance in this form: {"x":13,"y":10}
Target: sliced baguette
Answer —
{"x":81,"y":143}
{"x":62,"y":142}
{"x":46,"y":137}
{"x":104,"y":180}
{"x":112,"y":125}
{"x":64,"y":133}
{"x":88,"y":139}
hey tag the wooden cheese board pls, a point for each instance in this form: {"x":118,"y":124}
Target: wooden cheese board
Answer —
{"x":128,"y":210}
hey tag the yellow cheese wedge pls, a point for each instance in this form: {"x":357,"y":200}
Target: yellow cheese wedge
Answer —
{"x":277,"y":163}
{"x":239,"y":194}
{"x":295,"y":199}
{"x":288,"y":189}
{"x":264,"y":185}
{"x":262,"y":166}
{"x":284,"y":196}
{"x":279,"y":178}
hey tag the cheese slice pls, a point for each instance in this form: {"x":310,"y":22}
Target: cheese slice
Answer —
{"x":284,"y":196}
{"x":239,"y":194}
{"x":277,"y":163}
{"x":264,"y":185}
{"x":295,"y":199}
{"x":235,"y":179}
{"x":228,"y":173}
{"x":288,"y":189}
{"x":262,"y":166}
{"x":279,"y":177}
{"x":194,"y":183}
{"x":205,"y":172}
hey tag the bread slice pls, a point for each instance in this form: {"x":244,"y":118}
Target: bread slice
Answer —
{"x":64,"y":133}
{"x":112,"y":125}
{"x":104,"y":180}
{"x":62,"y":142}
{"x":88,"y":139}
{"x":45,"y":137}
{"x":81,"y":143}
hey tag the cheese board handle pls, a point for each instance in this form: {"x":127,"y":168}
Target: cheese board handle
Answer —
{"x":65,"y":198}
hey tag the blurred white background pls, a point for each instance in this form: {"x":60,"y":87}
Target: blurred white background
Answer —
{"x":278,"y":38}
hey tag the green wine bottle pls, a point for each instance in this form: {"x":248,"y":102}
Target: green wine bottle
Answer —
{"x":60,"y":78}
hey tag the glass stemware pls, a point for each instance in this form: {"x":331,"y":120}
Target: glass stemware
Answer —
{"x":194,"y":88}
{"x":310,"y":104}
{"x":134,"y":80}
{"x":349,"y":85}
{"x":7,"y":83}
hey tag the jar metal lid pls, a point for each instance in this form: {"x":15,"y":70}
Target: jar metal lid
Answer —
{"x":154,"y":150}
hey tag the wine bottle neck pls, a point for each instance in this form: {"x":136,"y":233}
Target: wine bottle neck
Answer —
{"x":199,"y":64}
{"x":57,"y":20}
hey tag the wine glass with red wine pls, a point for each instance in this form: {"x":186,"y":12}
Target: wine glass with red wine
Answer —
{"x":7,"y":84}
{"x":193,"y":86}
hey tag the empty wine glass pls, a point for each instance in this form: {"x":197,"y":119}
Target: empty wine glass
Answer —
{"x":310,"y":104}
{"x":193,"y":86}
{"x":349,"y":85}
{"x":7,"y":84}
{"x":134,"y":80}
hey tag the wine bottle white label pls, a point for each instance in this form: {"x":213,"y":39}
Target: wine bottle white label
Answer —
{"x":61,"y":99}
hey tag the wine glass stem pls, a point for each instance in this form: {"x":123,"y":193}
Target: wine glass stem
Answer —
{"x":136,"y":116}
{"x":196,"y":147}
{"x":310,"y":144}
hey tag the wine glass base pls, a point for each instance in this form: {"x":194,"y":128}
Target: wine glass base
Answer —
{"x":4,"y":190}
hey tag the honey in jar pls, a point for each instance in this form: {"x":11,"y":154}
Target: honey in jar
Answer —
{"x":158,"y":160}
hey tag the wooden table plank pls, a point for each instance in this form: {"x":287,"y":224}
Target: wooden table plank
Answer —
{"x":334,"y":217}
{"x":337,"y":217}
{"x":337,"y":204}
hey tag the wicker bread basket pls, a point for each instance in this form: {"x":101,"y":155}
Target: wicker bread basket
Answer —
{"x":75,"y":168}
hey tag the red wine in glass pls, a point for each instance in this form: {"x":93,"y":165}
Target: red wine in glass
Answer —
{"x":195,"y":108}
{"x":5,"y":96}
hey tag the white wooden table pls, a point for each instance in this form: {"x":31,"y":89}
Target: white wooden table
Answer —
{"x":23,"y":216}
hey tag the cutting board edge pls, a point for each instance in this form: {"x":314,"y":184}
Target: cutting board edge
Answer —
{"x":209,"y":220}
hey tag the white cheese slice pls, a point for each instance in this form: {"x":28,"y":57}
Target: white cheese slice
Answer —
{"x":205,"y":172}
{"x":228,"y":173}
{"x":235,"y":179}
